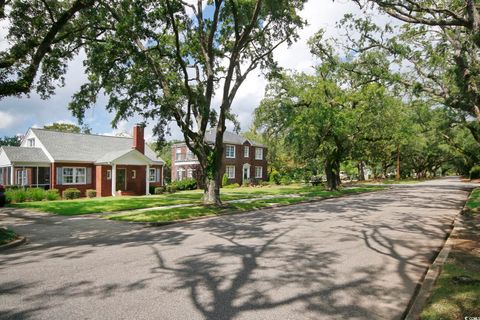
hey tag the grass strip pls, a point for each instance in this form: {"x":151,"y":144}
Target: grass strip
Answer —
{"x":7,"y":235}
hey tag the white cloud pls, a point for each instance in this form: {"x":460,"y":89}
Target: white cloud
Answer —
{"x":7,"y":120}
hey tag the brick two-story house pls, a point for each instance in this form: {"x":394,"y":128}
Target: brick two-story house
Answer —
{"x":243,"y":160}
{"x":59,"y":160}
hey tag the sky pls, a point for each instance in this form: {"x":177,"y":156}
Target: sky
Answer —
{"x":19,"y":114}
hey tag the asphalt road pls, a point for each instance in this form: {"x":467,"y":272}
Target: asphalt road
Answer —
{"x":358,"y":257}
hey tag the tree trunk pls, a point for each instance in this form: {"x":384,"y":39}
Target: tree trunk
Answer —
{"x":211,"y":193}
{"x":398,"y":163}
{"x":331,"y":175}
{"x":211,"y":167}
{"x":361,"y":171}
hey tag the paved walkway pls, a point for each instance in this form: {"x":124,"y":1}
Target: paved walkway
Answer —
{"x":358,"y":257}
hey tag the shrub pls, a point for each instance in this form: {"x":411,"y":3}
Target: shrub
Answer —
{"x":275,"y":177}
{"x":151,"y":189}
{"x":231,"y":186}
{"x":15,"y":195}
{"x":91,"y":193}
{"x":187,"y":184}
{"x":52,"y":195}
{"x":71,"y":193}
{"x":286,"y":180}
{"x":225,"y":180}
{"x":35,"y":194}
{"x":171,"y":188}
{"x":475,"y":172}
{"x":264,"y":183}
{"x":159,"y":190}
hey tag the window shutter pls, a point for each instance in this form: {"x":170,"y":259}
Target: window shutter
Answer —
{"x":158,"y":175}
{"x":88,"y":178}
{"x":59,"y":175}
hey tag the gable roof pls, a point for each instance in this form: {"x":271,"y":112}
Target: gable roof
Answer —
{"x":65,"y":146}
{"x":230,"y":137}
{"x":22,"y":154}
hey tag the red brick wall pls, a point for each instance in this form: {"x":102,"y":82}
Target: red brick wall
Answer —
{"x":238,"y":162}
{"x":82,"y":187}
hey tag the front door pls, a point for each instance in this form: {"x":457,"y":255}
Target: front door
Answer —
{"x":246,"y":173}
{"x":121,"y":180}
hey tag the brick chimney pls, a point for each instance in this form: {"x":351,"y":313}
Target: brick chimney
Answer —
{"x":138,"y":139}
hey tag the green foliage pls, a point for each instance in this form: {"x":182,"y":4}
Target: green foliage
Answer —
{"x":52,"y":194}
{"x":10,"y":141}
{"x":224,"y":180}
{"x":159,"y":190}
{"x":7,"y":235}
{"x":171,"y":188}
{"x":91,"y":193}
{"x":232,"y":186}
{"x":15,"y":195}
{"x":66,"y":127}
{"x":275,"y":177}
{"x":35,"y":194}
{"x":475,"y":172}
{"x":186,"y":184}
{"x":71,"y":193}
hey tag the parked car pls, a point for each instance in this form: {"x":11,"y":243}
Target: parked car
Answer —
{"x":2,"y":196}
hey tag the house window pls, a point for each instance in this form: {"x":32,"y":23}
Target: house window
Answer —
{"x":189,"y":173}
{"x":109,"y":174}
{"x":258,"y":154}
{"x":230,"y":172}
{"x":258,"y":172}
{"x":180,"y":173}
{"x":153,"y":175}
{"x":74,"y":175}
{"x":246,"y":151}
{"x":230,"y":151}
{"x":190,"y":155}
{"x":22,"y":177}
{"x":178,"y":154}
{"x":134,"y":174}
{"x":31,"y":142}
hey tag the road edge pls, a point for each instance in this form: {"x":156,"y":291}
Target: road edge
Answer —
{"x":12,"y":244}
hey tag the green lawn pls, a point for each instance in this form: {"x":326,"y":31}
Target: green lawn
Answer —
{"x":457,"y":291}
{"x":172,"y":214}
{"x":114,"y":204}
{"x":7,"y":236}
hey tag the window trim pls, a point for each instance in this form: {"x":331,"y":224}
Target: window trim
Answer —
{"x":246,"y":151}
{"x":154,"y":176}
{"x":31,"y":142}
{"x":226,"y":151}
{"x":190,"y":173}
{"x":74,"y":176}
{"x":109,"y":174}
{"x":257,"y":176}
{"x":227,"y":173}
{"x":134,"y":174}
{"x":256,"y":154}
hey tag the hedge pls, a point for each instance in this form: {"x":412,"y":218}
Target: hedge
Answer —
{"x":71,"y":193}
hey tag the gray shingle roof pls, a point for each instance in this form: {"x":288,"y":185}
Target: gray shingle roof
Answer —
{"x":65,"y":146}
{"x":22,"y":154}
{"x":230,"y":137}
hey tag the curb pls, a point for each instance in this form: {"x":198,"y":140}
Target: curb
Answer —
{"x":425,"y":288}
{"x":15,"y":243}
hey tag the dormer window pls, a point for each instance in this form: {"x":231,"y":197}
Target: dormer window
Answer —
{"x":31,"y":142}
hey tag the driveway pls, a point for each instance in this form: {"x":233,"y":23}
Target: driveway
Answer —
{"x":359,"y":257}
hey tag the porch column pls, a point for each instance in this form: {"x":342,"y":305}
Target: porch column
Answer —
{"x":37,"y":176}
{"x":12,"y":175}
{"x":114,"y":179}
{"x":147,"y":180}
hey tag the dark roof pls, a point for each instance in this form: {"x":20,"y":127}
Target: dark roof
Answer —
{"x":22,"y":154}
{"x":65,"y":146}
{"x":229,"y":137}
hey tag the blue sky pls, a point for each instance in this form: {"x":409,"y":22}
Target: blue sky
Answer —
{"x":18,"y":114}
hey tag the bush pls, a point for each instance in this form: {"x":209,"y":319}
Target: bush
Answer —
{"x":159,"y":190}
{"x":275,"y":177}
{"x":52,"y":195}
{"x":231,"y":186}
{"x":187,"y":184}
{"x":15,"y":195}
{"x":171,"y":188}
{"x":264,"y":183}
{"x":91,"y":193}
{"x":475,"y":172}
{"x":71,"y":193}
{"x":35,"y":194}
{"x":225,"y":180}
{"x":286,"y":180}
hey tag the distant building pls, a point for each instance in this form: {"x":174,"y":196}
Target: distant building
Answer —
{"x":243,"y":160}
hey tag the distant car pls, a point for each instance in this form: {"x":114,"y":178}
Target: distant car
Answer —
{"x":2,"y":196}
